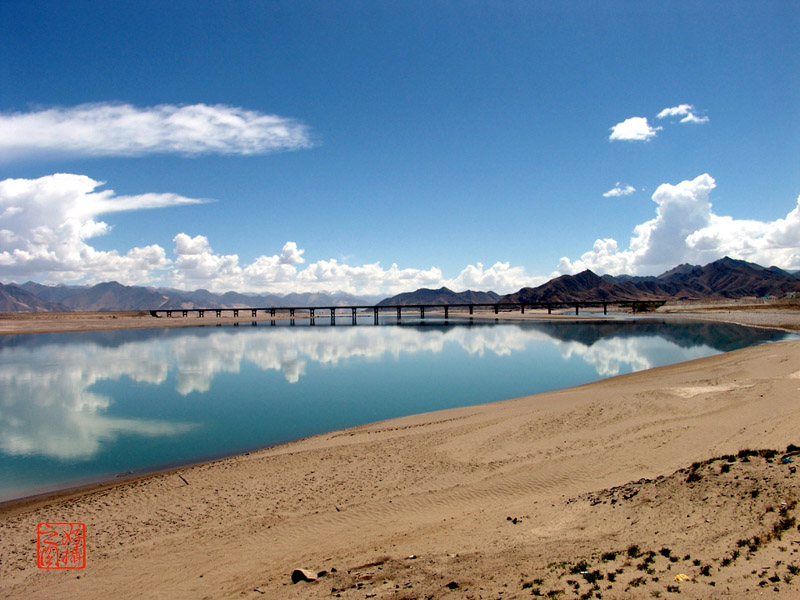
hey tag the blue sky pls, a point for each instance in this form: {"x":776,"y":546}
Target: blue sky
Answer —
{"x":377,"y":147}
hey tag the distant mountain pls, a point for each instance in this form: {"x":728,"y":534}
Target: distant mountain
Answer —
{"x":104,"y":296}
{"x":51,"y":293}
{"x":440,"y":296}
{"x":112,"y":295}
{"x":15,"y":299}
{"x":724,"y":278}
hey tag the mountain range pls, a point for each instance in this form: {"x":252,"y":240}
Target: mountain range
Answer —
{"x":721,"y":279}
{"x":35,"y":297}
{"x":724,"y":278}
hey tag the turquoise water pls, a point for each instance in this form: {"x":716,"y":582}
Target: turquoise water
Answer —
{"x":89,"y":406}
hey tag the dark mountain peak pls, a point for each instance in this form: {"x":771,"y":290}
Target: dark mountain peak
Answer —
{"x":441,"y":296}
{"x":682,"y":269}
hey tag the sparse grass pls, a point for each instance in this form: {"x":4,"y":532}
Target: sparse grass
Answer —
{"x":579,"y":567}
{"x":593,"y":576}
{"x":608,"y":556}
{"x":637,"y":582}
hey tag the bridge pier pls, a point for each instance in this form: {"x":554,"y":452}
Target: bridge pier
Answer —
{"x":399,"y":311}
{"x":169,"y":313}
{"x":496,"y":308}
{"x":235,"y":312}
{"x":271,"y":312}
{"x":421,"y":312}
{"x":576,"y":308}
{"x":291,"y":313}
{"x":471,"y":307}
{"x":549,"y":309}
{"x":200,"y":313}
{"x":219,"y":313}
{"x":522,"y":308}
{"x":185,"y":313}
{"x":605,"y":308}
{"x":255,"y":310}
{"x":446,"y":312}
{"x":311,"y":312}
{"x":375,"y":311}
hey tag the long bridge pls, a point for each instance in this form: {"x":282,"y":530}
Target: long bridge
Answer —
{"x":311,"y":311}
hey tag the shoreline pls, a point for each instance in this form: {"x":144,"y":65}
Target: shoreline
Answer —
{"x":431,"y":485}
{"x":123,"y":320}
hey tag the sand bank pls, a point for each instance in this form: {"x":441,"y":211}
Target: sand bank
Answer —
{"x":496,"y":501}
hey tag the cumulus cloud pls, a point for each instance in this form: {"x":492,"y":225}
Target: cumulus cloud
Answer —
{"x":634,"y":129}
{"x":686,"y":230}
{"x":105,"y":129}
{"x":500,"y":277}
{"x":685,"y":111}
{"x":45,"y":224}
{"x":619,"y":190}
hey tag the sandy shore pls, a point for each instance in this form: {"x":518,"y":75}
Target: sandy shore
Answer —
{"x":597,"y":491}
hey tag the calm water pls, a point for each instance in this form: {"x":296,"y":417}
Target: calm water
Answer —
{"x":79,"y":407}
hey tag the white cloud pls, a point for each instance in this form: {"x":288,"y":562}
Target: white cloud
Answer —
{"x":619,"y":190}
{"x":105,"y":129}
{"x":291,"y":255}
{"x":45,"y":224}
{"x":633,"y":129}
{"x":500,"y":277}
{"x":686,"y":111}
{"x":686,"y":230}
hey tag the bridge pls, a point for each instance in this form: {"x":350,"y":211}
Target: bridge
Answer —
{"x":311,"y":312}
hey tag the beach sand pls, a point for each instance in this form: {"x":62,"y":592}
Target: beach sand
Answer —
{"x":606,"y":490}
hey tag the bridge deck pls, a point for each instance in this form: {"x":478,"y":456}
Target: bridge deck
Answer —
{"x":311,"y":311}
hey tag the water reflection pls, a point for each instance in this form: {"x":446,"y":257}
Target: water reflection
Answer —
{"x":73,"y":397}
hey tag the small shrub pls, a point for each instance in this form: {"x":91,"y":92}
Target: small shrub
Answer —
{"x":633,"y":551}
{"x":608,"y":556}
{"x":705,"y":570}
{"x":593,"y":576}
{"x":579,"y":567}
{"x":665,"y":552}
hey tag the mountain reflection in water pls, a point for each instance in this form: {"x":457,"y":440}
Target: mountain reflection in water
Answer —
{"x":87,"y":405}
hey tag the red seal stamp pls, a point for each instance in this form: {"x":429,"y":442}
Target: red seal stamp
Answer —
{"x":61,"y":545}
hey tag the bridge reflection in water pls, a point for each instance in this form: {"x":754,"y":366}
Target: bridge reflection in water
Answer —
{"x":310,"y":312}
